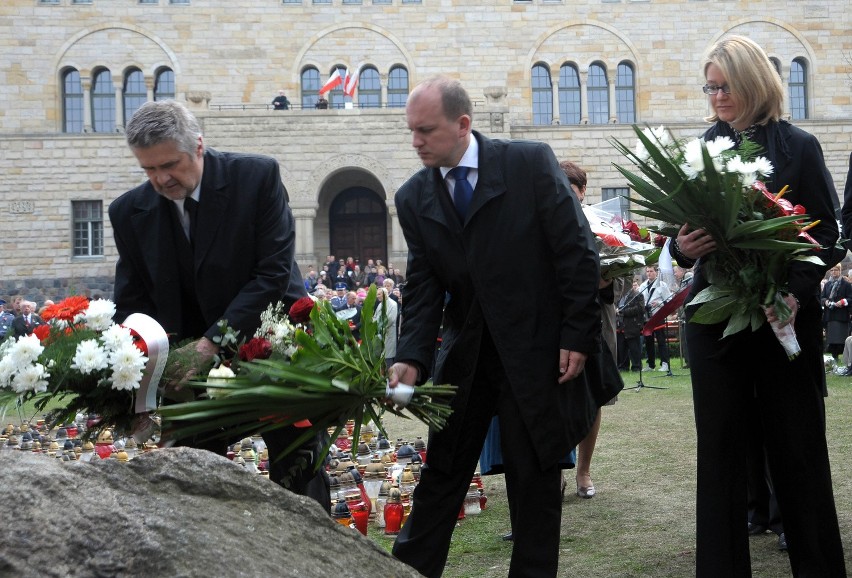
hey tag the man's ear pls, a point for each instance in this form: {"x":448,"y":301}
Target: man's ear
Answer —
{"x":464,"y":125}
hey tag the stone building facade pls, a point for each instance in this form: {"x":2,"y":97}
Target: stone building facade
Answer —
{"x":62,"y":164}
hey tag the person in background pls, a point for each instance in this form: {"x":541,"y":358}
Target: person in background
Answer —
{"x":281,"y":102}
{"x":391,"y":308}
{"x":836,"y":300}
{"x":6,"y":319}
{"x":747,"y":378}
{"x":27,"y":321}
{"x":631,"y":311}
{"x":607,"y":288}
{"x":655,"y":293}
{"x":477,"y":204}
{"x":208,"y":237}
{"x":322,"y":103}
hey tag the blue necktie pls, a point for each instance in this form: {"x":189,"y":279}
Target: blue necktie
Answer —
{"x":462,"y":191}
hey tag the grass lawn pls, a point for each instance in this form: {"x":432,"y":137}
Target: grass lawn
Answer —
{"x":641,"y":522}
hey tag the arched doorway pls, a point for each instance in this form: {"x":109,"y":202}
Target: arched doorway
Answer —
{"x":358,"y":226}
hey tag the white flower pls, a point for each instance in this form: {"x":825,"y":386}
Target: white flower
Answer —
{"x":26,"y":350}
{"x":718,"y":145}
{"x":99,"y":315}
{"x":89,"y":357}
{"x":31,"y":378}
{"x":693,"y":158}
{"x":126,"y":377}
{"x":763,"y":167}
{"x":128,"y":364}
{"x":659,"y":135}
{"x":116,"y":336}
{"x":747,"y":171}
{"x":7,"y":371}
{"x":219,"y":376}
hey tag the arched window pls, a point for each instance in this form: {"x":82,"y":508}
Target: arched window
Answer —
{"x":397,"y":87}
{"x":72,"y":102}
{"x":135,"y":93}
{"x":597,"y":93}
{"x":569,"y":95}
{"x":798,"y":89}
{"x":369,"y":88}
{"x":625,"y":94}
{"x":542,"y":95}
{"x":164,"y":85}
{"x":103,"y":102}
{"x":310,"y":87}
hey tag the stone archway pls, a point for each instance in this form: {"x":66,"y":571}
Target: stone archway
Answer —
{"x":357,"y":221}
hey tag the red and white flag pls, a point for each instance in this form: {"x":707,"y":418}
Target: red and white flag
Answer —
{"x":351,"y":82}
{"x":333,"y":81}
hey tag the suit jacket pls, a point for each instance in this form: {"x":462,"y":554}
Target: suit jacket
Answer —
{"x":524,"y":212}
{"x":20,"y":327}
{"x":244,"y":247}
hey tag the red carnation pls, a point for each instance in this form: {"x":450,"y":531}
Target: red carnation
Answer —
{"x":300,"y":312}
{"x":42,"y":332}
{"x":256,"y":348}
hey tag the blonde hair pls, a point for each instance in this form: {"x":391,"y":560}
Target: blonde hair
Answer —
{"x":751,"y":77}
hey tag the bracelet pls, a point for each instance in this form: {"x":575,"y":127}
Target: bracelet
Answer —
{"x":679,"y":253}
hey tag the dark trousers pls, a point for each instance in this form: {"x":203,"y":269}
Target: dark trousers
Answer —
{"x":297,"y":471}
{"x":785,"y":398}
{"x":633,"y":352}
{"x":660,"y":337}
{"x":762,"y":504}
{"x":534,"y":494}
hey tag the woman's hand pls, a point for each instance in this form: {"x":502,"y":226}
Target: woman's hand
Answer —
{"x":694,"y":244}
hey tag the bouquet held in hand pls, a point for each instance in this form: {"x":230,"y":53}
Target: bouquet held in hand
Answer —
{"x":712,"y":186}
{"x":305,"y":369}
{"x":622,"y":246}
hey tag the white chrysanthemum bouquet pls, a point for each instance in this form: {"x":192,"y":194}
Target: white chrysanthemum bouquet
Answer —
{"x":79,"y":360}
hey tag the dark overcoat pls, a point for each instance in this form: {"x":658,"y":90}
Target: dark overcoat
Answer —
{"x":244,"y":256}
{"x":523,"y":212}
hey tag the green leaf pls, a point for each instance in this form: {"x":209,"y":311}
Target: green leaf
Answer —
{"x":715,"y":311}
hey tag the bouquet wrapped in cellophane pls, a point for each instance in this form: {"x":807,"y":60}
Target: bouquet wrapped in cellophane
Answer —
{"x":306,"y":368}
{"x":622,"y":246}
{"x":714,"y":187}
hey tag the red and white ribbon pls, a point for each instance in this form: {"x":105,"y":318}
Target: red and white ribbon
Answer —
{"x":157,"y":342}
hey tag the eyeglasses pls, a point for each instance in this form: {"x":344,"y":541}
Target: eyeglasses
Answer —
{"x":712,"y":89}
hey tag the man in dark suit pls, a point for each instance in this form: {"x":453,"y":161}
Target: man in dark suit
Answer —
{"x":516,"y":351}
{"x":209,"y":236}
{"x":27,"y":321}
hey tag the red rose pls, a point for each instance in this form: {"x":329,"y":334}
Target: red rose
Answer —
{"x":256,"y":348}
{"x":300,"y":312}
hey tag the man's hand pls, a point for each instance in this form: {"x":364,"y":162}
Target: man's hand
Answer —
{"x":571,"y":363}
{"x":404,"y":373}
{"x":190,"y":360}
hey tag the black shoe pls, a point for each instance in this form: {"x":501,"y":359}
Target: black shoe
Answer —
{"x":508,"y":537}
{"x":782,"y":542}
{"x":755,"y":529}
